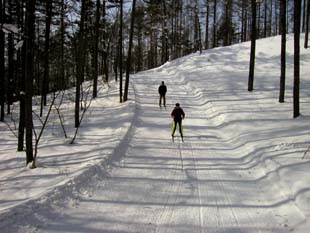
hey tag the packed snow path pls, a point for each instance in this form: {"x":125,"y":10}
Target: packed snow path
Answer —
{"x":200,"y":185}
{"x":240,"y":170}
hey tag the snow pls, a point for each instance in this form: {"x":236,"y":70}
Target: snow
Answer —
{"x":8,"y":28}
{"x":244,"y":165}
{"x":19,"y":45}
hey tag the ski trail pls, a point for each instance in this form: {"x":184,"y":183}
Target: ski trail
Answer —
{"x":202,"y":185}
{"x":180,"y":151}
{"x":171,"y":200}
{"x":201,"y":216}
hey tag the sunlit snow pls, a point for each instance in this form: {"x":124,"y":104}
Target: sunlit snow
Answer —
{"x":244,"y":165}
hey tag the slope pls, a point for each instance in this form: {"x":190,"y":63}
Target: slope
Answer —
{"x":242,"y":168}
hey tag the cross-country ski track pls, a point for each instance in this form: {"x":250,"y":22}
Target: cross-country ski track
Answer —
{"x":230,"y":175}
{"x":201,"y":185}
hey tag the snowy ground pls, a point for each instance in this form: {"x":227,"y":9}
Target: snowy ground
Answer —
{"x":244,"y":165}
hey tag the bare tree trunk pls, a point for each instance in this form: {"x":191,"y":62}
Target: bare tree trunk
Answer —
{"x":253,"y":45}
{"x":64,"y":81}
{"x":227,"y":37}
{"x":207,"y":26}
{"x":165,"y":34}
{"x":121,"y":53}
{"x":95,"y":52}
{"x":283,"y":49}
{"x":297,"y":11}
{"x":105,"y":44}
{"x":303,"y":15}
{"x":116,"y":62}
{"x":265,"y":19}
{"x":276,"y":18}
{"x":21,"y":94}
{"x":244,"y":19}
{"x":307,"y":25}
{"x":45,"y":82}
{"x":2,"y":68}
{"x":258,"y":21}
{"x":132,"y":23}
{"x":270,"y":18}
{"x":29,"y":73}
{"x":11,"y":77}
{"x":38,"y":137}
{"x":214,"y":24}
{"x":80,"y":64}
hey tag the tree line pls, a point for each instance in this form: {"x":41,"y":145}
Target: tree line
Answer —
{"x":51,"y":45}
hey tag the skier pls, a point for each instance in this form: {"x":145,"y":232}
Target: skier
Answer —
{"x":162,"y":89}
{"x":178,"y":115}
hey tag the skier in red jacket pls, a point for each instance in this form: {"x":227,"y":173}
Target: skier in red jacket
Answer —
{"x":178,"y":115}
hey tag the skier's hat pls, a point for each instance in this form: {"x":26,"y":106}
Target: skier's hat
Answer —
{"x":177,"y":104}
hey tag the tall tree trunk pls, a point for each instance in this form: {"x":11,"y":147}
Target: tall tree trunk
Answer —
{"x":228,"y":24}
{"x":258,"y":20}
{"x":207,"y":26}
{"x":21,"y":94}
{"x":80,"y":64}
{"x":128,"y":65}
{"x":265,"y":19}
{"x":253,"y":46}
{"x":105,"y":44}
{"x":45,"y":81}
{"x":116,"y":61}
{"x":2,"y":68}
{"x":29,"y":73}
{"x":297,"y":11}
{"x":10,"y":80}
{"x":307,"y":25}
{"x":304,"y":7}
{"x":165,"y":34}
{"x":196,"y":27}
{"x":283,"y":49}
{"x":172,"y":23}
{"x":121,"y":53}
{"x":199,"y":37}
{"x":244,"y":19}
{"x":64,"y":81}
{"x":270,"y":18}
{"x":276,"y":18}
{"x":214,"y":24}
{"x":95,"y":52}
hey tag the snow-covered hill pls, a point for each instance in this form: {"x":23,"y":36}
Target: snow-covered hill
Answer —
{"x":244,"y":165}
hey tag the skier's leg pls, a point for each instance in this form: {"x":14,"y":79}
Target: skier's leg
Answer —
{"x":181,"y":128}
{"x":164,"y":97}
{"x":160,"y":100}
{"x":173,"y":128}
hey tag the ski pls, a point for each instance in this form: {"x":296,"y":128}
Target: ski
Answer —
{"x":172,"y":138}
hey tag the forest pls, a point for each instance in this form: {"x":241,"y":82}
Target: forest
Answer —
{"x":48,"y":46}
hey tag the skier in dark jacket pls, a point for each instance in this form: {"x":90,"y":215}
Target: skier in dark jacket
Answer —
{"x":162,"y":89}
{"x":178,"y":115}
